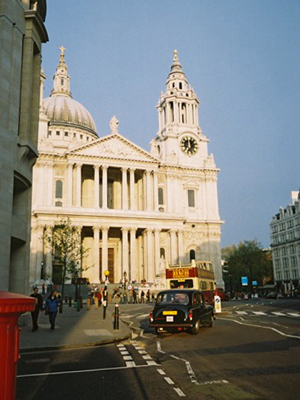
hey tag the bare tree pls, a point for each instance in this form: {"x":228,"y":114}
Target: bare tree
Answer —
{"x":68,"y":250}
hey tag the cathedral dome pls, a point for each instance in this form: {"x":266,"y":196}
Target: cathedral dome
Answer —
{"x":61,"y":109}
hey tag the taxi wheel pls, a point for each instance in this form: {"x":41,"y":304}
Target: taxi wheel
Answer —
{"x":211,"y":323}
{"x":195,"y":328}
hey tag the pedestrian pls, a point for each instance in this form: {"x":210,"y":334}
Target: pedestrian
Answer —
{"x":134,"y":296}
{"x":38,"y":307}
{"x":43,"y":288}
{"x":52,"y":304}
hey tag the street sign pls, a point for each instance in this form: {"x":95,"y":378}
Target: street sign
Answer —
{"x":217,"y":304}
{"x":244,"y":280}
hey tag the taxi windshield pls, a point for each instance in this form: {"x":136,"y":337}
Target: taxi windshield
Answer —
{"x":172,"y":298}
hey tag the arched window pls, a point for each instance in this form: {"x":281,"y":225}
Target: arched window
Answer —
{"x":160,"y":196}
{"x":192,"y":255}
{"x":58,"y":190}
{"x":162,"y":252}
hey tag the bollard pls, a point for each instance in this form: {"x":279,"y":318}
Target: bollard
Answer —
{"x":88,"y":304}
{"x":70,"y":301}
{"x":78,"y":304}
{"x":104,"y":303}
{"x":66,"y":299}
{"x":80,"y":301}
{"x":96,"y":302}
{"x":116,"y":317}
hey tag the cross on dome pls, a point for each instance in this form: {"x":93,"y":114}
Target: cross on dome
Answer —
{"x":62,"y":50}
{"x":175,"y":59}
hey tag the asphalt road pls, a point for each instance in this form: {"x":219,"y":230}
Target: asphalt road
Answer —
{"x":252,"y":352}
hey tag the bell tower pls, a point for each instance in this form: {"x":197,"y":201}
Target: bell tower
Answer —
{"x":179,"y":138}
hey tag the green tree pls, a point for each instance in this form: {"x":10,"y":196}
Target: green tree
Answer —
{"x":246,"y":259}
{"x":67,"y":249}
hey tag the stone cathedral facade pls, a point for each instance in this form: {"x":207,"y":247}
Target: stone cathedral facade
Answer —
{"x":138,"y":211}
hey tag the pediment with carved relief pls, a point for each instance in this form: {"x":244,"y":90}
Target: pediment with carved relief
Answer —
{"x":113,"y":146}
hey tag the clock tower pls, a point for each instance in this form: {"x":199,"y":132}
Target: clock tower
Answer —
{"x":179,"y":139}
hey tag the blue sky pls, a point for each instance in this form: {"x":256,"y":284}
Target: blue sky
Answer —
{"x":242,"y":57}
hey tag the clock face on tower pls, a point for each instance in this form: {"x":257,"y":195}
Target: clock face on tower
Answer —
{"x":189,"y":145}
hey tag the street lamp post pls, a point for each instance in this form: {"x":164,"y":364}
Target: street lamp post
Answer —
{"x":125,"y":276}
{"x":42,"y":269}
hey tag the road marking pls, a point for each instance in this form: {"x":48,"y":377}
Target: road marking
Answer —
{"x":38,"y":360}
{"x":142,"y":316}
{"x":179,"y":392}
{"x":280,"y":314}
{"x":129,"y":364}
{"x":294,"y":314}
{"x":126,"y":358}
{"x":241,"y":312}
{"x":258,"y":313}
{"x":169,"y":380}
{"x":151,"y":363}
{"x":262,"y":327}
{"x":97,"y":332}
{"x":147,"y":357}
{"x":124,"y":352}
{"x":212,"y":382}
{"x":161,"y":372}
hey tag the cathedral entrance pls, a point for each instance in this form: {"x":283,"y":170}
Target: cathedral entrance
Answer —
{"x":110,"y":265}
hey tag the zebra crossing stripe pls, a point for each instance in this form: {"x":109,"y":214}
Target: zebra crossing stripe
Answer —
{"x":258,"y":313}
{"x":280,"y":314}
{"x":294,"y":314}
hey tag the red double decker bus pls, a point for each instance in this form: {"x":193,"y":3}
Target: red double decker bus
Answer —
{"x":196,"y":275}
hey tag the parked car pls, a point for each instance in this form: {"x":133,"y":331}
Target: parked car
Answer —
{"x":180,"y":309}
{"x":274,"y":295}
{"x":223,"y":295}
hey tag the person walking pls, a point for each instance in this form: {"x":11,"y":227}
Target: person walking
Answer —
{"x":38,"y":307}
{"x":52,"y":304}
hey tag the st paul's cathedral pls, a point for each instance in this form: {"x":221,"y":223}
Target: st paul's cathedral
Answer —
{"x":139,"y":211}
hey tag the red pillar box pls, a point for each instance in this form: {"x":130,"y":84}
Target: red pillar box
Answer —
{"x":12,"y":305}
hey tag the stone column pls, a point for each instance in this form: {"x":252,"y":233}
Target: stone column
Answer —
{"x":104,"y":187}
{"x":49,"y":184}
{"x":148,"y":190}
{"x":69,"y":184}
{"x":132,"y":197}
{"x":96,"y":230}
{"x":78,"y":185}
{"x":124,"y":189}
{"x":125,"y":251}
{"x":133,"y":255}
{"x":48,"y":251}
{"x":155,"y":190}
{"x":104,"y":250}
{"x":96,"y":183}
{"x":173,"y":247}
{"x":156,"y":250}
{"x":176,"y":119}
{"x":150,"y":264}
{"x":39,"y":250}
{"x":180,"y":246}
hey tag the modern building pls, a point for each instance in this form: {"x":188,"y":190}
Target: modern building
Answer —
{"x":22,"y":32}
{"x":285,"y":245}
{"x":137,"y":210}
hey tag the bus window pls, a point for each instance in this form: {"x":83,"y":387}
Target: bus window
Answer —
{"x":203,"y":285}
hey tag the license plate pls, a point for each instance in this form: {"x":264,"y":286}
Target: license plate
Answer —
{"x":169,"y":312}
{"x":170,"y":318}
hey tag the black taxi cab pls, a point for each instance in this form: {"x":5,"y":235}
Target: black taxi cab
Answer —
{"x":180,"y":309}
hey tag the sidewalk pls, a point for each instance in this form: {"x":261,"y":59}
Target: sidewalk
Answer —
{"x":73,"y":329}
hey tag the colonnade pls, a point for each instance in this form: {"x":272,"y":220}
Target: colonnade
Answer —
{"x":138,"y":252}
{"x":178,"y":113}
